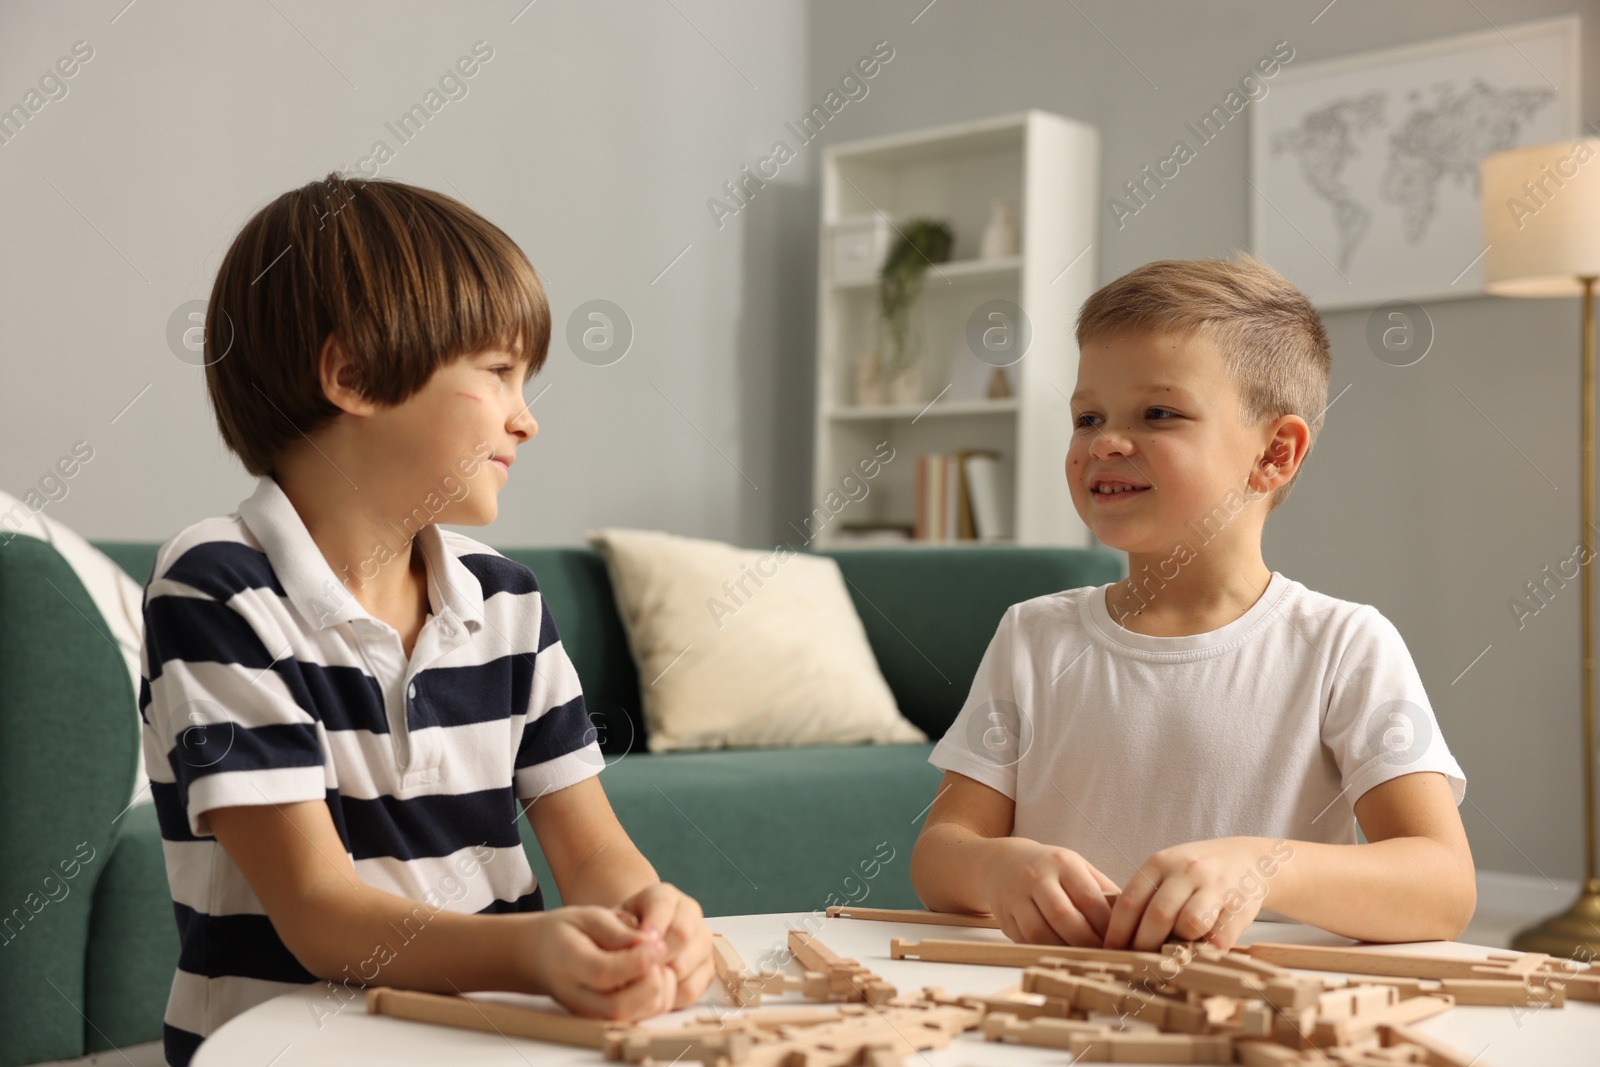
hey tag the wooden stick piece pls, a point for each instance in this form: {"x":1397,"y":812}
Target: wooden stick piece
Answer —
{"x":1439,"y":1053}
{"x":451,"y":1010}
{"x":929,"y":918}
{"x":1347,"y":1031}
{"x":1505,"y":993}
{"x":845,"y":976}
{"x":992,"y":954}
{"x":743,"y":988}
{"x":1366,"y":961}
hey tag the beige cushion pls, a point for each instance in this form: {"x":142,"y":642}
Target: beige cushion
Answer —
{"x":744,"y":648}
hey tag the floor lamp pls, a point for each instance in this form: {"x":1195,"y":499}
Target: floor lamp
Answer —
{"x":1541,"y":221}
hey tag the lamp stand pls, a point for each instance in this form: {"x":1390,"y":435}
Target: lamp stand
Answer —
{"x":1575,"y":933}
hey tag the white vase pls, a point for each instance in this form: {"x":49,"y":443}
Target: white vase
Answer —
{"x":1000,"y":236}
{"x":869,"y":380}
{"x":906,"y":387}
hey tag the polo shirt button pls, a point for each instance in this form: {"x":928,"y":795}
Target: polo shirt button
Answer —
{"x":412,"y":692}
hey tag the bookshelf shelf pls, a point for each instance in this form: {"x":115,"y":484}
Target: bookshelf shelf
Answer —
{"x":1047,"y":166}
{"x":950,"y":273}
{"x":939,"y":410}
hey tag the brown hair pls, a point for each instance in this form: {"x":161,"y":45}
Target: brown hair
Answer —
{"x":1271,"y":339}
{"x":407,"y":278}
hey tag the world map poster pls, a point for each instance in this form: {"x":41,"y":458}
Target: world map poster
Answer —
{"x":1364,"y":170}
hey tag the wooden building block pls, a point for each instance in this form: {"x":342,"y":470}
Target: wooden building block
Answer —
{"x":1219,"y":1009}
{"x":667,"y":1045}
{"x":990,"y":954}
{"x":1582,"y":987}
{"x":1265,"y":1054}
{"x":1439,"y":1054}
{"x":1042,"y":1032}
{"x":1145,"y":1047}
{"x":1347,"y":1031}
{"x":1394,"y":964}
{"x":1212,"y":978}
{"x":1255,"y":1020}
{"x":882,"y":1056}
{"x":1406,"y":988}
{"x":1293,"y":1028}
{"x":1046,"y":1007}
{"x":777,"y":1018}
{"x":1505,"y":992}
{"x":845,"y":976}
{"x":813,"y":985}
{"x":452,"y":1010}
{"x":1239,"y":958}
{"x":743,"y":989}
{"x":1082,"y":992}
{"x":1293,"y":994}
{"x":911,"y":915}
{"x":1349,"y":1001}
{"x":1522,"y":963}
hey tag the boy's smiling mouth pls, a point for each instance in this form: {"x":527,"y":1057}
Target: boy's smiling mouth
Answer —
{"x":1117,"y":494}
{"x":1106,"y":488}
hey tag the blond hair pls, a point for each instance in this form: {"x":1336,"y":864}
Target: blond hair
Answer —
{"x":1272,"y":341}
{"x":407,"y":278}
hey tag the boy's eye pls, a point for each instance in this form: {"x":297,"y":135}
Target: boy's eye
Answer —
{"x":1149,"y":413}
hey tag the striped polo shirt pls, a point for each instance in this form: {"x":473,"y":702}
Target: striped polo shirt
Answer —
{"x":266,"y":682}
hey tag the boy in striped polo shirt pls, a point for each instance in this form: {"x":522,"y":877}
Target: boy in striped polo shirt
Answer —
{"x":346,"y":708}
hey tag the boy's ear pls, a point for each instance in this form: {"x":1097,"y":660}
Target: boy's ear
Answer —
{"x":341,"y":381}
{"x":1286,"y":450}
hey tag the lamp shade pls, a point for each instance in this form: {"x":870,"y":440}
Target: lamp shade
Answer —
{"x":1541,"y":218}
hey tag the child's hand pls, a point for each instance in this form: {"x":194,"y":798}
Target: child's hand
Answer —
{"x":664,"y":911}
{"x":1044,"y":895}
{"x":1198,"y":891}
{"x":594,"y":962}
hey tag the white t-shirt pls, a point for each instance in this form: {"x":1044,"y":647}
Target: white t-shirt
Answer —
{"x":1117,"y":744}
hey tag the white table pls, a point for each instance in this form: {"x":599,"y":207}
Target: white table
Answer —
{"x":284,"y":1032}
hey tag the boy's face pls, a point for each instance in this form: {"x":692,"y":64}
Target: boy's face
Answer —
{"x":1159,"y":411}
{"x":470,"y":410}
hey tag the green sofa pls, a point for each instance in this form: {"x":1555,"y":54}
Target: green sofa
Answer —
{"x":744,"y":831}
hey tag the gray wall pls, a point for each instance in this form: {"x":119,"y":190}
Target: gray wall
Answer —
{"x":1412,"y":501}
{"x":595,"y":136}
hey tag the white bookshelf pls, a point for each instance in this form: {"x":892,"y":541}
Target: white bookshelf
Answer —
{"x":1048,"y":166}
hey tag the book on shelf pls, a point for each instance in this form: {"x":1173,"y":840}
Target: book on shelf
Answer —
{"x":962,"y":496}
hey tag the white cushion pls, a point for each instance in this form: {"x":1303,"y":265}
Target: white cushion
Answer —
{"x":116,"y":595}
{"x":743,"y":648}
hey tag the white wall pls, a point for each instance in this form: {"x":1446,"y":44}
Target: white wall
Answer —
{"x":593,"y":136}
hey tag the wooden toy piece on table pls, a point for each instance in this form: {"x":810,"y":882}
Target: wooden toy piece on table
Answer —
{"x":473,"y":1014}
{"x":1506,"y":978}
{"x":928,"y":918}
{"x":1094,"y":1042}
{"x":845,"y":977}
{"x":743,"y":988}
{"x":1189,"y":1003}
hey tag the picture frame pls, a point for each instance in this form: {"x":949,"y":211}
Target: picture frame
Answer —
{"x":1363,"y":169}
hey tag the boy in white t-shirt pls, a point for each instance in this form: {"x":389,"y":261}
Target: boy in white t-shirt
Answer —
{"x":1204,"y":734}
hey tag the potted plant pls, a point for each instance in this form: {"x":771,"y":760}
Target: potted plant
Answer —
{"x":921,"y":243}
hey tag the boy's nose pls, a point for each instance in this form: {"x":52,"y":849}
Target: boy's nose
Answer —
{"x":1108,"y":443}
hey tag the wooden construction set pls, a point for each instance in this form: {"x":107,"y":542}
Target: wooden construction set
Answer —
{"x":1189,"y":1003}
